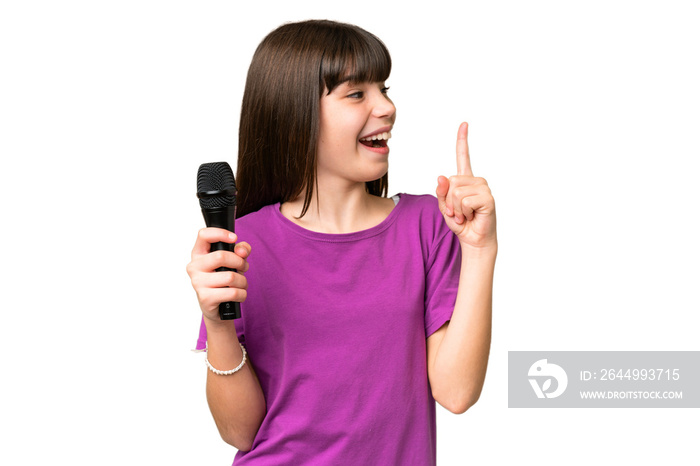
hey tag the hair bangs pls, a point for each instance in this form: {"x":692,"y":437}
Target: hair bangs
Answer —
{"x":354,"y":56}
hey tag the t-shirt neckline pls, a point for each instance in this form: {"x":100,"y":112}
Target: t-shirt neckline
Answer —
{"x":341,"y":237}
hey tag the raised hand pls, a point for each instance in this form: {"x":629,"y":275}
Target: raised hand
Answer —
{"x":466,"y":202}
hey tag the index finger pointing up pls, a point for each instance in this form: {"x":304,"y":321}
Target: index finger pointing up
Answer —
{"x":464,"y":166}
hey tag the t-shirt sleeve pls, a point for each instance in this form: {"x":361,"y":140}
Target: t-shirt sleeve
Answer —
{"x":442,"y":280}
{"x":202,"y":338}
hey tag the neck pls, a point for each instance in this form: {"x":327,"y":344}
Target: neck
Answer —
{"x":338,"y":210}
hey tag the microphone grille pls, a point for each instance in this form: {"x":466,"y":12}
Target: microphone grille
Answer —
{"x":212,"y":177}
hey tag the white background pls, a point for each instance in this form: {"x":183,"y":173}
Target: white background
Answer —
{"x":583,"y":117}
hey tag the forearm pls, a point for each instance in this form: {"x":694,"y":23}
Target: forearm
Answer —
{"x":462,"y":357}
{"x":236,"y":401}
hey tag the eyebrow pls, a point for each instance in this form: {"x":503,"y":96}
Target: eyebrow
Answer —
{"x":345,"y":82}
{"x":350,"y":80}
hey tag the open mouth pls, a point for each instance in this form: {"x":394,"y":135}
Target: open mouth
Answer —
{"x":376,"y":141}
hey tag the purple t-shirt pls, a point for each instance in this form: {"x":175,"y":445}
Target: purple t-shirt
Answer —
{"x":336,"y":325}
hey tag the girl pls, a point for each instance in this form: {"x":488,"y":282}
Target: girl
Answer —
{"x":359,"y":311}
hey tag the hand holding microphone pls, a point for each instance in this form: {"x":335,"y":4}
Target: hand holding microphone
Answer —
{"x":215,"y":257}
{"x":212,"y":287}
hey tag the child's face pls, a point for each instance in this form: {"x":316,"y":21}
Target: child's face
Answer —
{"x":348,"y":115}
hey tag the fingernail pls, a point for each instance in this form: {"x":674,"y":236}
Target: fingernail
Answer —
{"x":232,"y":236}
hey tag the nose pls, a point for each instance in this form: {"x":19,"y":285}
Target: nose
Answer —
{"x":383,"y":106}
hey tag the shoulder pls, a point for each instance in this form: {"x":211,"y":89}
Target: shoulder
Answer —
{"x":423,"y":211}
{"x":421,"y":202}
{"x":256,"y":222}
{"x":423,"y":207}
{"x":258,"y":215}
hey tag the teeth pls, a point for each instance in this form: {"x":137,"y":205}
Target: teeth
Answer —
{"x":380,"y":136}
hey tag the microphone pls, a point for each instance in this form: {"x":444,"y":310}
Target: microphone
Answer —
{"x":216,"y":190}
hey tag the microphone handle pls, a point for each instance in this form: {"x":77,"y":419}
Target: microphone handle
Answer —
{"x":231,"y":309}
{"x":223,"y":217}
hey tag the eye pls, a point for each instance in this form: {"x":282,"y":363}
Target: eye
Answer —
{"x":357,"y":95}
{"x":385,"y":90}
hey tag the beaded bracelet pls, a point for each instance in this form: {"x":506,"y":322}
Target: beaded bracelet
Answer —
{"x":217,"y":371}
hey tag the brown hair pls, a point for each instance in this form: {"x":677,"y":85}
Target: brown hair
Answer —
{"x":279,"y":124}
